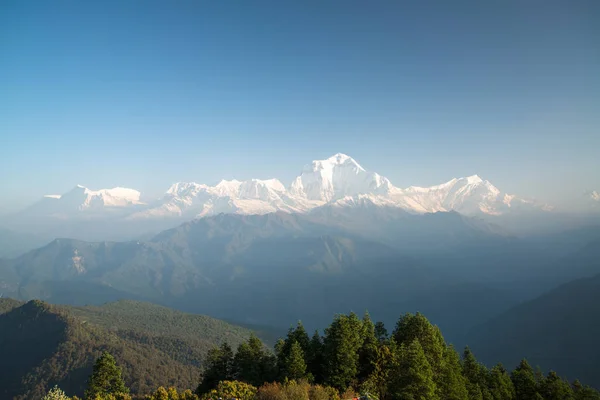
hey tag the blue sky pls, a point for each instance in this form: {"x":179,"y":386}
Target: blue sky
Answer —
{"x":146,"y":93}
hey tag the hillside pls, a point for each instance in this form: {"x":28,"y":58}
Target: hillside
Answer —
{"x":154,"y":345}
{"x":557,"y":330}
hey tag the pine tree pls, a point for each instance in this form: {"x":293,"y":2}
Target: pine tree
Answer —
{"x":368,"y":351}
{"x":219,"y":367}
{"x":581,"y":392}
{"x":295,"y":365}
{"x":499,"y":384}
{"x":448,"y":381}
{"x":314,"y":357}
{"x":452,"y":385}
{"x":251,"y":363}
{"x":476,"y":376}
{"x":343,"y":339}
{"x":554,"y":388}
{"x":523,"y":378}
{"x":413,"y":378}
{"x":106,"y":378}
{"x":381,"y":332}
{"x":385,"y":365}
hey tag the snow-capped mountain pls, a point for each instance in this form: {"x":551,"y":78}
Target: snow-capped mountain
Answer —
{"x":338,"y":181}
{"x":595,"y":196}
{"x":337,"y":177}
{"x":81,"y":200}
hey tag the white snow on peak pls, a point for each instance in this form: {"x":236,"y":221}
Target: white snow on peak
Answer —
{"x":337,"y":177}
{"x":595,"y":195}
{"x":52,"y":196}
{"x":338,"y":181}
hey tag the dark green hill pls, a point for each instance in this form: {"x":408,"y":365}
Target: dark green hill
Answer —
{"x":154,"y":345}
{"x":558,"y":330}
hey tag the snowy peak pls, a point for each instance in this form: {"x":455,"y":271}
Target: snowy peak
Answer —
{"x":335,"y":178}
{"x":338,"y":181}
{"x":595,"y":195}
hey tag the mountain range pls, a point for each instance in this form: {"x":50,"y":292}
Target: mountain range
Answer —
{"x":338,"y":180}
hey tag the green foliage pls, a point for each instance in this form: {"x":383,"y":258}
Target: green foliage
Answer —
{"x":354,"y":356}
{"x":555,"y":388}
{"x":413,"y":378}
{"x":252,"y":364}
{"x":343,"y":340}
{"x":219,"y":367}
{"x":367,"y":355}
{"x":526,"y":385}
{"x":231,"y":390}
{"x":171,"y":394}
{"x":106,"y":378}
{"x":55,"y":394}
{"x":314,"y":357}
{"x":294,"y":365}
{"x":581,"y":392}
{"x":499,"y":384}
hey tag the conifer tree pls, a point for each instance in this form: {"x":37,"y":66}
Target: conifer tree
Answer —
{"x":499,"y":384}
{"x":452,"y":385}
{"x":381,"y":332}
{"x":343,"y":339}
{"x":581,"y":392}
{"x":295,"y":365}
{"x":413,"y":378}
{"x":106,"y":378}
{"x":523,"y":378}
{"x":476,"y":376}
{"x":368,"y":351}
{"x":219,"y":367}
{"x":554,"y":388}
{"x":252,"y":364}
{"x":314,"y":357}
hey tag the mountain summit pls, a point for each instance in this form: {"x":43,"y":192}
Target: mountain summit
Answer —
{"x":338,"y":180}
{"x":337,"y":177}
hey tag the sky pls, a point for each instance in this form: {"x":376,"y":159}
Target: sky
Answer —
{"x":146,"y":93}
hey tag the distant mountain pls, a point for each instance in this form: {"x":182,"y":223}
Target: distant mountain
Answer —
{"x":156,"y":346}
{"x":557,"y":330}
{"x":272,"y":268}
{"x":119,"y":213}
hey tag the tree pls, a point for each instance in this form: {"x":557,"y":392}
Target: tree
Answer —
{"x":294,"y":364}
{"x":500,"y":385}
{"x":106,"y":378}
{"x":413,"y":378}
{"x":343,"y":339}
{"x":219,"y":367}
{"x":314,"y":358}
{"x":381,"y":332}
{"x":232,"y":390}
{"x":476,"y":376}
{"x":384,"y":366}
{"x":55,"y":394}
{"x":452,"y":385}
{"x":449,"y":383}
{"x":554,"y":388}
{"x":252,"y":364}
{"x":523,"y":378}
{"x":581,"y":392}
{"x":367,"y":354}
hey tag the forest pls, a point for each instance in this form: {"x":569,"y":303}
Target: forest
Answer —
{"x":354,"y":357}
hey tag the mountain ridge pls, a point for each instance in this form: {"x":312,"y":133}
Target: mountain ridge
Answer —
{"x":320,"y":183}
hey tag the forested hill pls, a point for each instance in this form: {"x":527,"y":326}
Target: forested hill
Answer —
{"x":58,"y":344}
